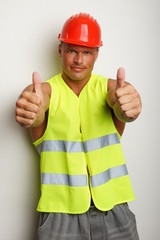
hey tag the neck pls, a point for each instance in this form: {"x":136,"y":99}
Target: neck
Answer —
{"x":75,"y":85}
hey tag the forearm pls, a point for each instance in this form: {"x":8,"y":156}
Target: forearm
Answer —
{"x":38,"y":131}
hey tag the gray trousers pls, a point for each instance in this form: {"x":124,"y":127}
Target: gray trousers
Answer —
{"x":116,"y":224}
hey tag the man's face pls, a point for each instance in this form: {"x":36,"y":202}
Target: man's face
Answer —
{"x":77,"y":61}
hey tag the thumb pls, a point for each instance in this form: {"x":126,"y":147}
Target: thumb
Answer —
{"x":120,"y":77}
{"x":36,"y":83}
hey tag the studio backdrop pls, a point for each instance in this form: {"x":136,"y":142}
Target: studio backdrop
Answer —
{"x":28,"y":42}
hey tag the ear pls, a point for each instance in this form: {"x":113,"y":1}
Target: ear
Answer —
{"x":96,"y":55}
{"x":59,"y":50}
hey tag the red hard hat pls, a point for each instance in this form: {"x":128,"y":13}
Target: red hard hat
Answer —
{"x":81,"y":29}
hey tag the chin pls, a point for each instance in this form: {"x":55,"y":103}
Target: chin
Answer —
{"x":77,"y":77}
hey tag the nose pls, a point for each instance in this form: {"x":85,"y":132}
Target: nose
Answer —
{"x":78,"y":58}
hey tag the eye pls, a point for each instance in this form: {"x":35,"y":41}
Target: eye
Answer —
{"x":87,"y":53}
{"x":72,"y":51}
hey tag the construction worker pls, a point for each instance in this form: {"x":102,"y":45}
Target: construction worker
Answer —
{"x":76,"y":120}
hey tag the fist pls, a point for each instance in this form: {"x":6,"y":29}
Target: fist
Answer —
{"x":127,"y":98}
{"x":30,"y":111}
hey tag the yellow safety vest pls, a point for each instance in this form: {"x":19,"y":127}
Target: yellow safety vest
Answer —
{"x":81,"y":137}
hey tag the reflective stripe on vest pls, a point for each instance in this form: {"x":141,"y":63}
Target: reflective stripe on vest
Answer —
{"x":101,"y":142}
{"x":81,"y":180}
{"x":60,"y":146}
{"x":109,"y":174}
{"x":71,"y":146}
{"x":64,"y":179}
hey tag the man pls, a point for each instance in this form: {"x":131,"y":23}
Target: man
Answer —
{"x":76,"y":120}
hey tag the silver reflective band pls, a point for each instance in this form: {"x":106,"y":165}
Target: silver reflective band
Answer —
{"x":60,"y":146}
{"x":64,"y":179}
{"x":101,"y":142}
{"x":73,"y":146}
{"x":104,"y":177}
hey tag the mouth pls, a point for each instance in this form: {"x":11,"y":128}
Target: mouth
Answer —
{"x":77,"y":68}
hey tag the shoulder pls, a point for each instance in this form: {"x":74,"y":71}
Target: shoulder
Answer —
{"x":52,"y":83}
{"x":98,"y":77}
{"x":48,"y":85}
{"x":99,"y":81}
{"x":46,"y":88}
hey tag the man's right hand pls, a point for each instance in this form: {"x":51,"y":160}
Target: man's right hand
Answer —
{"x":30,"y":107}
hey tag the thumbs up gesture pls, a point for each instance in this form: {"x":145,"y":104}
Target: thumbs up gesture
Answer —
{"x":120,"y":78}
{"x":123,"y":98}
{"x":37,"y":84}
{"x":30,"y":107}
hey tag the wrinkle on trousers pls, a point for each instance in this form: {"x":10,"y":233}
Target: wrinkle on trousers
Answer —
{"x":116,"y":224}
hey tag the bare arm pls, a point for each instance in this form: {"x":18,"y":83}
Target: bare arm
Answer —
{"x":32,"y":107}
